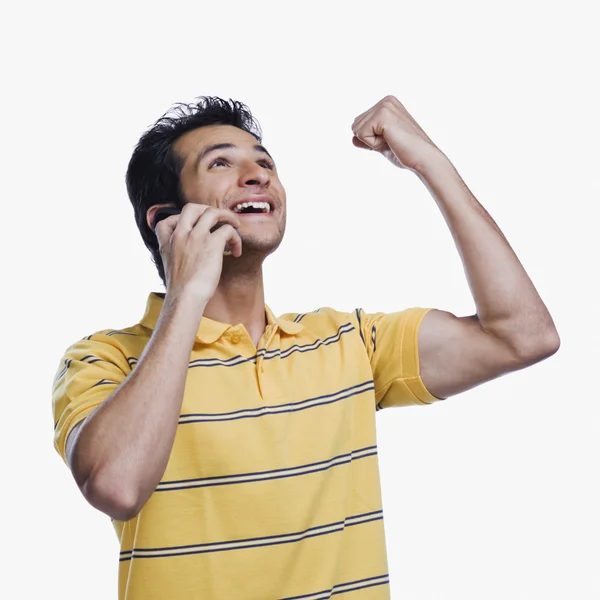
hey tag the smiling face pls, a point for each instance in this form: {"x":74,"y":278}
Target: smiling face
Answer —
{"x":223,"y":166}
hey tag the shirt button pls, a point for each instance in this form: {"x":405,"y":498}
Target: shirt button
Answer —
{"x":235,"y":338}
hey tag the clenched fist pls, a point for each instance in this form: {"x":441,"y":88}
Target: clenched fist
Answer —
{"x":389,"y":129}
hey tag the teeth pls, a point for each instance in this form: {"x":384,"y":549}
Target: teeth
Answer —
{"x":264,"y":206}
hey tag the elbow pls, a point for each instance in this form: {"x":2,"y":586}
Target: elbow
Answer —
{"x":552,"y":343}
{"x":111,"y":496}
{"x":537,"y":348}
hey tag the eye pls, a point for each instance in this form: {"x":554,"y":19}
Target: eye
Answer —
{"x":218,"y":162}
{"x":266,"y":163}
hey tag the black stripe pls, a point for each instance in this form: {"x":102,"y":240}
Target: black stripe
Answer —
{"x":63,"y":370}
{"x":373,"y":338}
{"x":302,"y":315}
{"x":260,"y":412}
{"x":234,"y":361}
{"x":333,"y":591}
{"x":84,"y":359}
{"x":238,"y":360}
{"x":359,"y":324}
{"x":307,"y":347}
{"x":119,"y":332}
{"x":375,"y":515}
{"x":270,"y":354}
{"x":104,"y":382}
{"x":305,"y":466}
{"x":95,"y":359}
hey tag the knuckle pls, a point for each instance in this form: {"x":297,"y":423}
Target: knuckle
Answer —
{"x":177,"y":234}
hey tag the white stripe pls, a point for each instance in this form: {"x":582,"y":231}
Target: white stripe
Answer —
{"x":272,"y":353}
{"x":316,"y":344}
{"x":278,"y":409}
{"x":119,"y":332}
{"x":244,"y":478}
{"x":354,"y":586}
{"x":65,"y":369}
{"x":363,"y":518}
{"x":236,"y":545}
{"x":216,"y":361}
{"x":347,"y":587}
{"x":295,"y":537}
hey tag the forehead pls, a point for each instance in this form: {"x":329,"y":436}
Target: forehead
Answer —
{"x":193,"y":142}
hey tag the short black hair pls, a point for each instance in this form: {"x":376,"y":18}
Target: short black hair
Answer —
{"x":153,"y":173}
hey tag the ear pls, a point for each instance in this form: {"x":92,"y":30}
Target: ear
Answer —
{"x":152,"y":211}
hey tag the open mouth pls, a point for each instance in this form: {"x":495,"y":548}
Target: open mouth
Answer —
{"x":253,"y":207}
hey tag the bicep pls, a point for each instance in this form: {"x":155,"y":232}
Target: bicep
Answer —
{"x":456,"y":354}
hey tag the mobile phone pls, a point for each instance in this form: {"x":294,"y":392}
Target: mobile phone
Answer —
{"x":163,"y":213}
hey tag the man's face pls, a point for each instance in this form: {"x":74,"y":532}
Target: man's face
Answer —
{"x":223,"y":165}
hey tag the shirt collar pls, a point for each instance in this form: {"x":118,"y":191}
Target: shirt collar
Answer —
{"x":209,"y":330}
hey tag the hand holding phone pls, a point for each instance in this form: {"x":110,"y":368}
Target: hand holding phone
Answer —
{"x":192,"y":247}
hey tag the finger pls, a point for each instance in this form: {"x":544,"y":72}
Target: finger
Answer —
{"x":360,"y":120}
{"x":230,"y":239}
{"x":164,"y":230}
{"x":212,"y":219}
{"x":366,"y":132}
{"x":190,"y":214}
{"x":389,"y":101}
{"x":364,"y":117}
{"x":360,"y":144}
{"x":370,"y":138}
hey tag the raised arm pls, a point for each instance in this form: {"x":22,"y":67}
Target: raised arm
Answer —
{"x":512,"y":327}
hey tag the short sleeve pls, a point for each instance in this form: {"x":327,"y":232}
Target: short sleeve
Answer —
{"x":89,"y":372}
{"x":391,"y":340}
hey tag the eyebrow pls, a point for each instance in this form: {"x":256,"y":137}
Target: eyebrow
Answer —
{"x":227,"y":146}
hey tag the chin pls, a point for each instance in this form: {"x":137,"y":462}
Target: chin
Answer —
{"x":260,"y":245}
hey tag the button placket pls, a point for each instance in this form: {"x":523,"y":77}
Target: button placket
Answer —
{"x":270,"y":384}
{"x":268,"y":337}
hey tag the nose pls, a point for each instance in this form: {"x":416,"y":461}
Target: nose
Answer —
{"x":253,"y":174}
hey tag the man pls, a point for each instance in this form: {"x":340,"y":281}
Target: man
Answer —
{"x":236,"y":451}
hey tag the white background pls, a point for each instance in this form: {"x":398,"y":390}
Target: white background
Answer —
{"x":490,"y":495}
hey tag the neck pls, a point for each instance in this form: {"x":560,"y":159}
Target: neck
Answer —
{"x":240,"y":298}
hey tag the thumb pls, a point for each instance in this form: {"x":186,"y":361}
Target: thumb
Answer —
{"x":360,"y":144}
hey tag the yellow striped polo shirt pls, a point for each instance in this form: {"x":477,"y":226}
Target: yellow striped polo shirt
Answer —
{"x":272,"y":487}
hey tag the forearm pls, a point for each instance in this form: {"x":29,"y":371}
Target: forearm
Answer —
{"x":506,"y":300}
{"x":123,"y":447}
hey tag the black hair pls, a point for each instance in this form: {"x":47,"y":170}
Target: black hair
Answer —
{"x":153,"y":173}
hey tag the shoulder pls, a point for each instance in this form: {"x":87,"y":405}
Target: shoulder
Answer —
{"x":118,"y":346}
{"x":327,"y":317}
